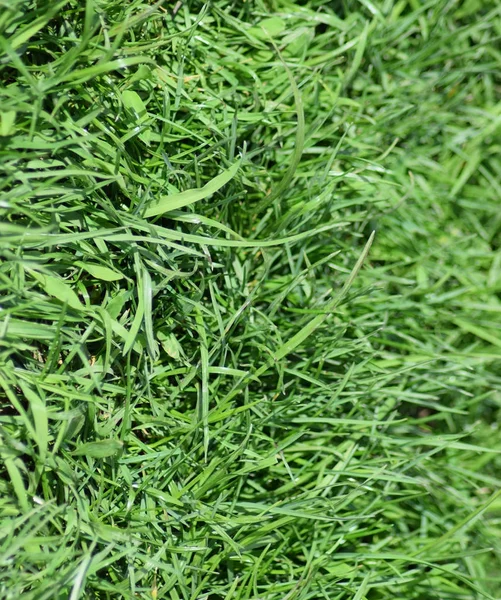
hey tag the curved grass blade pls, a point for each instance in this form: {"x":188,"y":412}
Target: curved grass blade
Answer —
{"x":176,"y":201}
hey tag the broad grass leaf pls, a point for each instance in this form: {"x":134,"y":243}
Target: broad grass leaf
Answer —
{"x":100,"y":449}
{"x":268,"y":28}
{"x":59,"y":289}
{"x":7,"y":121}
{"x":132,"y":101}
{"x":175,"y":201}
{"x":100,"y":272}
{"x":170,"y":345}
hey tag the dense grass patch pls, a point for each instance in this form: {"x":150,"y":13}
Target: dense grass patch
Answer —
{"x":215,"y":382}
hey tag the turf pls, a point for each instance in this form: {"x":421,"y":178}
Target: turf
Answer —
{"x":216,"y":382}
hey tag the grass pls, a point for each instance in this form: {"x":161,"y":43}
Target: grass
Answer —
{"x":212,"y":385}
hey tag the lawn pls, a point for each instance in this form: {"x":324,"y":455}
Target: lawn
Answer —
{"x":250,"y":306}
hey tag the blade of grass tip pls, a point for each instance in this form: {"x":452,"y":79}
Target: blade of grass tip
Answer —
{"x":35,"y":26}
{"x":204,"y":392}
{"x":40,"y":418}
{"x":16,"y":480}
{"x":138,"y":317}
{"x":89,"y":17}
{"x":175,"y":201}
{"x":107,"y":334}
{"x":99,"y":272}
{"x":57,"y":288}
{"x":231,"y":592}
{"x":100,"y":449}
{"x":362,"y":589}
{"x":147,"y":292}
{"x":468,"y":521}
{"x":78,"y":585}
{"x":129,"y":384}
{"x":479,"y":332}
{"x":299,"y":141}
{"x":82,"y":75}
{"x":359,"y":54}
{"x":129,"y":21}
{"x":197,"y":218}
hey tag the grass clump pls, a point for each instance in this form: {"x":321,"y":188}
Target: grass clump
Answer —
{"x":213,"y":386}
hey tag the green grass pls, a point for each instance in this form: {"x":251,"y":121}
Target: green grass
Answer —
{"x":212,"y":385}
